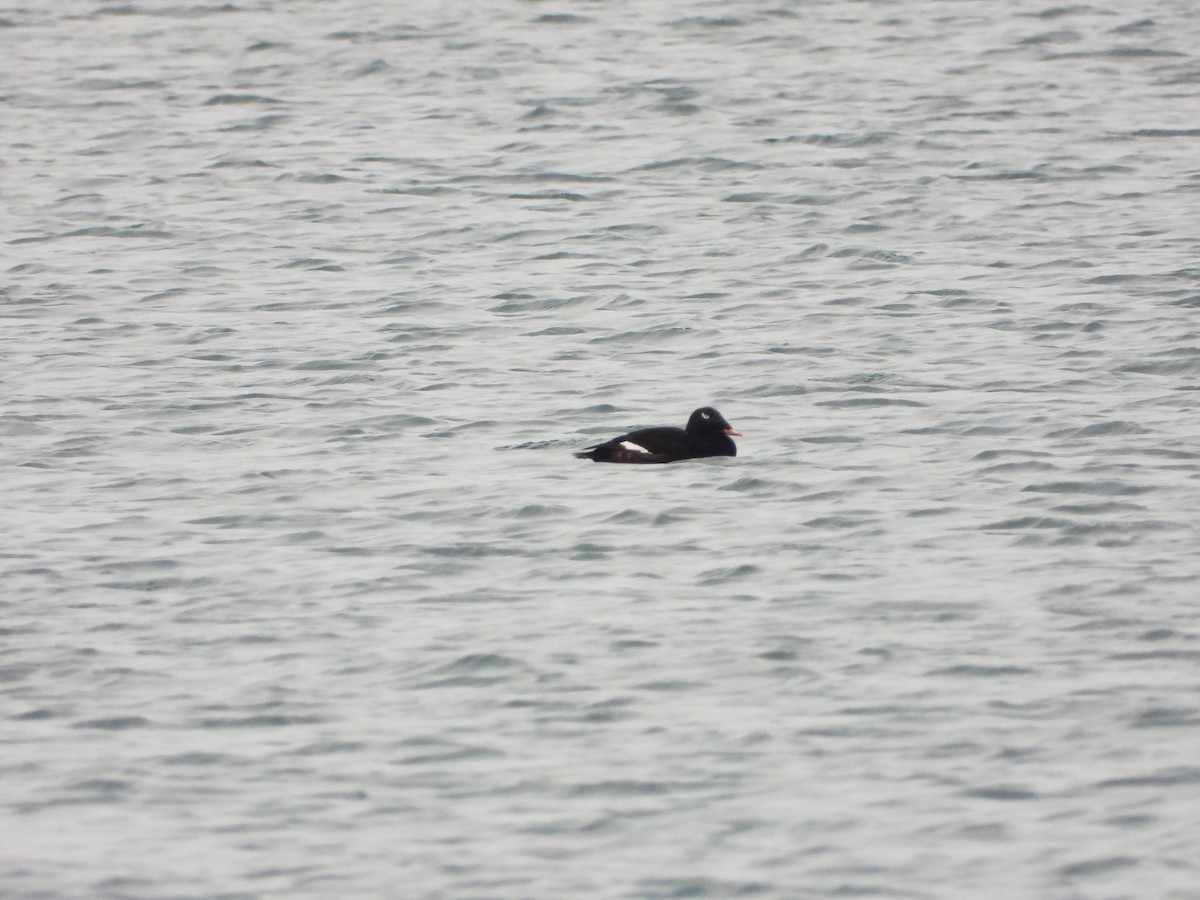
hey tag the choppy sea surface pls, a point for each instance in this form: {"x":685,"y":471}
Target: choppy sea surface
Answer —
{"x":305,"y":304}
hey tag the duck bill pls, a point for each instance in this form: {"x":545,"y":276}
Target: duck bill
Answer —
{"x":733,"y":432}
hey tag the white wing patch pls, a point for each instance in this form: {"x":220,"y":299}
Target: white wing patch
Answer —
{"x":636,"y":448}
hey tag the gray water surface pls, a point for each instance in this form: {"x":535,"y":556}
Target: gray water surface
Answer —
{"x":305,"y":304}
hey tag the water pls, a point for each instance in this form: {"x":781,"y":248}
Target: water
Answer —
{"x":305,"y":305}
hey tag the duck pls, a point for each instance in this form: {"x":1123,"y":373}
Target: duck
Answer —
{"x":706,"y":434}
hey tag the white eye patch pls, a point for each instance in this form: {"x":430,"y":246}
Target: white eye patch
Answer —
{"x":705,"y":416}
